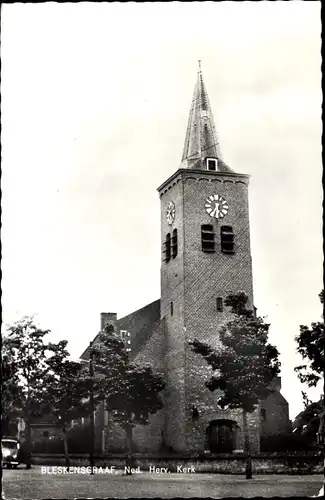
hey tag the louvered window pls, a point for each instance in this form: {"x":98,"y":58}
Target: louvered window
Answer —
{"x":207,"y":238}
{"x":167,"y":248}
{"x":227,"y":239}
{"x":174,"y":244}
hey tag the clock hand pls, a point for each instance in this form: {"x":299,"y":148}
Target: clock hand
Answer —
{"x":214,"y":211}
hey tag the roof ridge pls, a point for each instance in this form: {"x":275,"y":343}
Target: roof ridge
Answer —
{"x":137,"y":310}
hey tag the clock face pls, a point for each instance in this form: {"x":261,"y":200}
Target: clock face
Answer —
{"x":216,"y":206}
{"x":170,"y":212}
{"x":221,"y":405}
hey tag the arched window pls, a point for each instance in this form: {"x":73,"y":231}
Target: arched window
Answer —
{"x":227,"y":239}
{"x":174,"y":245}
{"x":167,"y":248}
{"x":207,"y":238}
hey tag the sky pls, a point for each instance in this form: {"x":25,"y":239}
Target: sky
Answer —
{"x":95,"y":103}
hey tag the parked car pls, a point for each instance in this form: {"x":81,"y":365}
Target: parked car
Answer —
{"x":10,"y":452}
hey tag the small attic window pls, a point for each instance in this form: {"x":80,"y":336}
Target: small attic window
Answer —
{"x":212,"y":164}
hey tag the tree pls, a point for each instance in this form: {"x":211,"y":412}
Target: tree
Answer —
{"x":11,"y":397}
{"x":138,"y":397}
{"x":131,"y":392}
{"x":307,"y":422}
{"x":25,"y":352}
{"x":311,"y":347}
{"x":67,"y":391}
{"x":244,"y":365}
{"x":28,"y":363}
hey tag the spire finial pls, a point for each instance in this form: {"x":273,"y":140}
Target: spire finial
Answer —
{"x":199,"y":61}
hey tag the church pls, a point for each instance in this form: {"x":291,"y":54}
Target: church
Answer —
{"x":205,"y":256}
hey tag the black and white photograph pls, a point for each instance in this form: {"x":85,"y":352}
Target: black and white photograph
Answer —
{"x":162,"y":250}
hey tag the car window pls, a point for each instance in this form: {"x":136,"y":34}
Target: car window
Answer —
{"x":12,"y":445}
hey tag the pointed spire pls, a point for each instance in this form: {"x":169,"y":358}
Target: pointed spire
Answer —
{"x":201,"y":139}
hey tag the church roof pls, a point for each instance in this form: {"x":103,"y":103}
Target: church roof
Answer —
{"x":201,"y":140}
{"x":141,"y":323}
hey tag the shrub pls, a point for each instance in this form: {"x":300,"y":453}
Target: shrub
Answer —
{"x":78,"y":442}
{"x":285,"y":443}
{"x":118,"y":450}
{"x":79,"y":439}
{"x":48,"y":446}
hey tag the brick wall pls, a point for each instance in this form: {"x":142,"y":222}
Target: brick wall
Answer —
{"x":276,"y":414}
{"x":192,"y":282}
{"x":172,"y":290}
{"x":150,"y":437}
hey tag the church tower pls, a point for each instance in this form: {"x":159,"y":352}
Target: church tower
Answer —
{"x":205,"y":241}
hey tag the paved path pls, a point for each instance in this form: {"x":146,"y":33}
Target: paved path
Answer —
{"x":32,"y":484}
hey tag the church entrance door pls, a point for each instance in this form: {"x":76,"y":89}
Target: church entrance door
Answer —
{"x":221,"y":436}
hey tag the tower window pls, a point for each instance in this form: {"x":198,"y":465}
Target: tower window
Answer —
{"x":219,"y":304}
{"x":207,"y":238}
{"x":167,"y":248}
{"x":212,"y":164}
{"x":174,"y":248}
{"x":227,"y":239}
{"x":171,"y":308}
{"x":263,"y":414}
